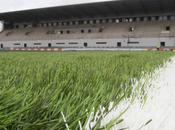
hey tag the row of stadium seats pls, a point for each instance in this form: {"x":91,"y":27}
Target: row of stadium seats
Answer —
{"x":151,"y":29}
{"x":96,"y":21}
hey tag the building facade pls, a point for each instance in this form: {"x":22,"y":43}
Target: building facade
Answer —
{"x":115,"y":24}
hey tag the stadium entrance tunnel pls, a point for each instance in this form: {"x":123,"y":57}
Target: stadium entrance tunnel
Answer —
{"x":1,"y":46}
{"x":49,"y":45}
{"x":25,"y":45}
{"x":85,"y":44}
{"x":162,"y":44}
{"x":119,"y":44}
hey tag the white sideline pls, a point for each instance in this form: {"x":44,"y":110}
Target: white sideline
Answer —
{"x":159,"y":109}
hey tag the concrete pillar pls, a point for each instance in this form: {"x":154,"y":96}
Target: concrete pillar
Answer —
{"x":1,"y":26}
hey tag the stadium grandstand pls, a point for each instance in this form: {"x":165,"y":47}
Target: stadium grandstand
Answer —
{"x":113,"y":24}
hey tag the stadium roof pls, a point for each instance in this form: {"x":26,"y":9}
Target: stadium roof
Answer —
{"x":116,"y":8}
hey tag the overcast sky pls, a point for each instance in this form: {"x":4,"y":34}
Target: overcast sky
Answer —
{"x":12,"y":5}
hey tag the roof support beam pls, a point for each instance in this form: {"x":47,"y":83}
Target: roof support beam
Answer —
{"x":144,"y":7}
{"x":113,"y":10}
{"x":99,"y":11}
{"x":128,"y":8}
{"x":161,"y":6}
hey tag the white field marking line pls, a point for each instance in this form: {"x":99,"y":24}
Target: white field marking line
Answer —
{"x":64,"y":119}
{"x":123,"y":106}
{"x":159,"y":111}
{"x":80,"y":125}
